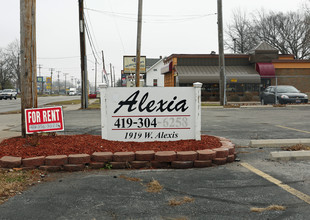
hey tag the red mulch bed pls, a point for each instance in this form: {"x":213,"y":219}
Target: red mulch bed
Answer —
{"x":88,"y":144}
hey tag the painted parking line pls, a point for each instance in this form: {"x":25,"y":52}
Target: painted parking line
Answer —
{"x":294,"y":129}
{"x":271,"y":179}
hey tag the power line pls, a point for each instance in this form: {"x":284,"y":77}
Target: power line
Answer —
{"x":90,"y":40}
{"x":118,"y":32}
{"x":172,"y":19}
{"x":92,"y":30}
{"x":58,"y":58}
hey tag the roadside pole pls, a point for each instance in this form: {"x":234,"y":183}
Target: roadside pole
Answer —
{"x":111,"y":74}
{"x":84,"y":87}
{"x":58,"y":82}
{"x":52,"y":69}
{"x":103,"y":65}
{"x":28,"y":74}
{"x":276,"y":92}
{"x":139,"y":30}
{"x":221,"y":53}
{"x":96,"y":76}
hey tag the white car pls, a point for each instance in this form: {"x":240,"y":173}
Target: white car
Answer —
{"x":8,"y":94}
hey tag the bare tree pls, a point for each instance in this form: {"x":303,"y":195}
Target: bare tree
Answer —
{"x":13,"y":52}
{"x":240,"y":38}
{"x":9,"y":66}
{"x":5,"y":73}
{"x":287,"y":32}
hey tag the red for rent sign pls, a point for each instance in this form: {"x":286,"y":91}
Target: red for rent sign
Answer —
{"x":44,"y":119}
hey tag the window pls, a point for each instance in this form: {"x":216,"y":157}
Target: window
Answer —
{"x":154,"y":82}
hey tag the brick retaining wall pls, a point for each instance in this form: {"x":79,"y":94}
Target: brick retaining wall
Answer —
{"x":122,"y":160}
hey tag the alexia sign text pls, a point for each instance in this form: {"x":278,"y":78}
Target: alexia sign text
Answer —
{"x":150,"y":114}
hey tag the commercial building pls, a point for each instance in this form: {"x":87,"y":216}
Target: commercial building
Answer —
{"x":246,"y":74}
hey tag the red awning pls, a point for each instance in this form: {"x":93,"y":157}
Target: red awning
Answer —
{"x":167,"y":68}
{"x":265,"y":70}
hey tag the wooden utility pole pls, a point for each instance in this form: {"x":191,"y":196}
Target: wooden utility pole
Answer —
{"x":58,"y":82}
{"x":139,"y":31}
{"x":52,"y":69}
{"x":84,"y":97}
{"x":111,"y":74}
{"x":65,"y":74}
{"x":28,"y":74}
{"x":40,"y":67}
{"x":221,"y":54}
{"x":114,"y":75}
{"x":103,"y":64}
{"x":96,"y":76}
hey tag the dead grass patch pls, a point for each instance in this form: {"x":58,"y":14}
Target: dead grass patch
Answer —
{"x":176,"y":202}
{"x":154,"y":186}
{"x":68,"y":102}
{"x":242,"y":147}
{"x":279,"y":105}
{"x":231,"y":106}
{"x":130,"y":178}
{"x":243,"y":152}
{"x":95,"y":105}
{"x":176,"y":218}
{"x":14,"y":181}
{"x":297,"y":147}
{"x":269,"y":208}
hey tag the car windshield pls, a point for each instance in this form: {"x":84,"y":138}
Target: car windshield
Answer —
{"x":287,"y":89}
{"x":7,"y":90}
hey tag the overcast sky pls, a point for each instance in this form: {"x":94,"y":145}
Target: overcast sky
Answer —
{"x":169,"y":26}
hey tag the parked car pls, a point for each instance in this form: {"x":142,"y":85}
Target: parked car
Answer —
{"x":8,"y":94}
{"x":285,"y":94}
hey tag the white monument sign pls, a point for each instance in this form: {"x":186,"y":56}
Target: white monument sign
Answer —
{"x":151,"y":113}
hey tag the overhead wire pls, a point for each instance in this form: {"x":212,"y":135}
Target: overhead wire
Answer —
{"x":171,"y":18}
{"x":117,"y":29}
{"x":90,"y":40}
{"x":91,"y":29}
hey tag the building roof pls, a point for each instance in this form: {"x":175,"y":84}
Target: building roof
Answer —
{"x":151,"y":61}
{"x":211,"y":74}
{"x":263,"y":46}
{"x":204,"y":56}
{"x":155,"y":64}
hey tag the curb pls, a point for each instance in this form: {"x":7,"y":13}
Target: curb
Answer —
{"x":122,"y":160}
{"x":278,"y":142}
{"x":290,"y":155}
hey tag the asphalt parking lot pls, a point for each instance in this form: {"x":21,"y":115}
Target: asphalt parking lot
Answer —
{"x":238,"y":124}
{"x":218,"y":192}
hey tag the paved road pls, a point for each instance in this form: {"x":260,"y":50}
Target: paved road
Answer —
{"x":12,"y":105}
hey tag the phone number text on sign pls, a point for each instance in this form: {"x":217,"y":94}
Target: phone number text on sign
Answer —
{"x":137,"y":126}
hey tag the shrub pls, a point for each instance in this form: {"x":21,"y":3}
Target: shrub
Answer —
{"x":233,"y":98}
